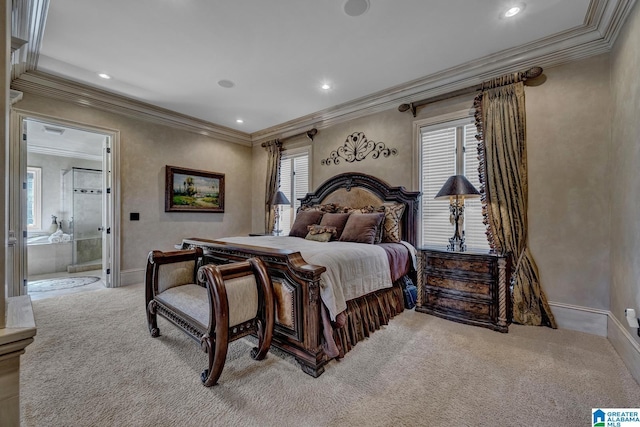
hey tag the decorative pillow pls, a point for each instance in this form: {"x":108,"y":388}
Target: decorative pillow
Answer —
{"x":336,"y":220}
{"x":362,"y":228}
{"x":367,"y":210}
{"x":304,"y":219}
{"x":320,"y":233}
{"x":391,"y":226}
{"x":329,"y":207}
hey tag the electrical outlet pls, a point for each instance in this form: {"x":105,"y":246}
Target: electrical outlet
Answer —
{"x":632,"y":320}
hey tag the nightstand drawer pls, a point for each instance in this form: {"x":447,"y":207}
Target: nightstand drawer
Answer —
{"x":475,"y":288}
{"x":476,"y":265}
{"x":475,"y":309}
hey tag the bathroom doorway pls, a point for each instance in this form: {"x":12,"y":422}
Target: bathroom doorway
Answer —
{"x":67,"y":208}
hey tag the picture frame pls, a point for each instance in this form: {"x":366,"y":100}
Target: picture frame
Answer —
{"x":192,"y":190}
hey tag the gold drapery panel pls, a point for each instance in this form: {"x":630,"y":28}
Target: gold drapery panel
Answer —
{"x":274,"y":155}
{"x":501,"y":121}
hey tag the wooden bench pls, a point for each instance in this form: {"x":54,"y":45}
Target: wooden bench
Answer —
{"x":212,"y":304}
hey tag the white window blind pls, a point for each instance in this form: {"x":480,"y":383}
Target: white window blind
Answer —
{"x":447,"y":150}
{"x":294,"y":183}
{"x":438,"y":160}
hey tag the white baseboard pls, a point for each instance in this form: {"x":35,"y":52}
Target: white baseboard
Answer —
{"x":625,"y":344}
{"x":602,"y":323}
{"x":131,"y":277}
{"x":582,"y":319}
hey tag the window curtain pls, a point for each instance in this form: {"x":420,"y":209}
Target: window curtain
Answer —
{"x":501,"y":121}
{"x":274,"y":155}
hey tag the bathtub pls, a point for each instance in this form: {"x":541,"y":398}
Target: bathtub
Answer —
{"x":38,"y":240}
{"x":44,"y":257}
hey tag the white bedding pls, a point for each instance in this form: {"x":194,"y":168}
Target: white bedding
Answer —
{"x":353,"y":269}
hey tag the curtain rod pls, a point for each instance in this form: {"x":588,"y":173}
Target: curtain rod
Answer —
{"x":531,"y":73}
{"x":310,"y":134}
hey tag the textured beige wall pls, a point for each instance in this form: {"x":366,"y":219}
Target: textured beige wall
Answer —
{"x":568,"y":129}
{"x":390,"y":127}
{"x":568,"y":165}
{"x":569,"y":139}
{"x":145,"y":149}
{"x":625,"y":156}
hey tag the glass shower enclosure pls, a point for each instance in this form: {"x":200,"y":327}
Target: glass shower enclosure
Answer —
{"x":83,"y":197}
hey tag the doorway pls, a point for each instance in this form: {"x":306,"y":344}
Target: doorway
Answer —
{"x":65,"y":210}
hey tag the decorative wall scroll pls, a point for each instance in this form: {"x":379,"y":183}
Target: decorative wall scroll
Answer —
{"x":356,"y":148}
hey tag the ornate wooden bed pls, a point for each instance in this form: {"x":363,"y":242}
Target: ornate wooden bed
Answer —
{"x":301,"y":324}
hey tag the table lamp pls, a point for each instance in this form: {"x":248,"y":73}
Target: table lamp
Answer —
{"x":278,"y":200}
{"x":456,"y":189}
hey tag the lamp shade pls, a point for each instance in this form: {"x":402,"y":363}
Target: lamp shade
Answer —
{"x":280,"y":199}
{"x":457,"y":185}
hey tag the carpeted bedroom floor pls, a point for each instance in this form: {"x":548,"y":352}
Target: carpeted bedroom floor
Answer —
{"x":93,"y":363}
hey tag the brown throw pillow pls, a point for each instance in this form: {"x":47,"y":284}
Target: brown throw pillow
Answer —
{"x":367,"y":210}
{"x":337,"y":220}
{"x":362,"y":228}
{"x":303,"y":220}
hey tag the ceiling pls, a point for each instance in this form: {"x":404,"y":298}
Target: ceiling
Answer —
{"x":173,"y":53}
{"x":58,"y":140}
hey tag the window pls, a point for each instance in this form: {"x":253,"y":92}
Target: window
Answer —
{"x":294,"y":183}
{"x":449,"y":149}
{"x":34,"y":198}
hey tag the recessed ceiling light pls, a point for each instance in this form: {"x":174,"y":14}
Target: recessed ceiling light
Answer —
{"x":326,"y":86}
{"x":226,"y":84}
{"x":239,"y":121}
{"x":514,"y":10}
{"x":356,"y":7}
{"x":104,"y":76}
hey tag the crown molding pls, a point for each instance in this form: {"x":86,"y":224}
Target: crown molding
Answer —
{"x":595,"y":36}
{"x":76,"y":93}
{"x":603,"y":22}
{"x":27,"y":23}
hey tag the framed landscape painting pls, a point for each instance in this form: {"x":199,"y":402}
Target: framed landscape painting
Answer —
{"x":190,"y":190}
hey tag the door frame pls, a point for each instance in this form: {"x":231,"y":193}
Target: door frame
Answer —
{"x":17,"y":257}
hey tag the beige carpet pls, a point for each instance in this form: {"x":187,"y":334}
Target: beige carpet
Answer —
{"x":93,"y":363}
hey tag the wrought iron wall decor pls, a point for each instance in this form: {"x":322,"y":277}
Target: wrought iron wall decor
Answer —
{"x":356,"y":148}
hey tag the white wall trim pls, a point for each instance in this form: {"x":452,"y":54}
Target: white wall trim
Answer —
{"x":86,"y":96}
{"x":18,"y":153}
{"x":595,"y":36}
{"x":625,"y":345}
{"x":602,"y":323}
{"x":578,"y":318}
{"x":132,"y":276}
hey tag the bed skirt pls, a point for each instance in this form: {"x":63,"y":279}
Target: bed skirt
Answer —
{"x":365,"y":315}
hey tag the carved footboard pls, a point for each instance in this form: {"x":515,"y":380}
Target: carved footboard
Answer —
{"x":296,"y":286}
{"x":298,"y":329}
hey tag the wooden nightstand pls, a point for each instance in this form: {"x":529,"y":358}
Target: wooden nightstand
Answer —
{"x":467,"y":287}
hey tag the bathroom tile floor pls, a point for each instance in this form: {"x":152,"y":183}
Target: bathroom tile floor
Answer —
{"x":56,"y":293}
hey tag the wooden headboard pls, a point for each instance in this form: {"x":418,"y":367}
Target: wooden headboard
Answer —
{"x":358,"y":190}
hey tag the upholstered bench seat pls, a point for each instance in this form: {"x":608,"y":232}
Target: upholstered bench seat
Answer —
{"x":236,"y":301}
{"x":190,"y":300}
